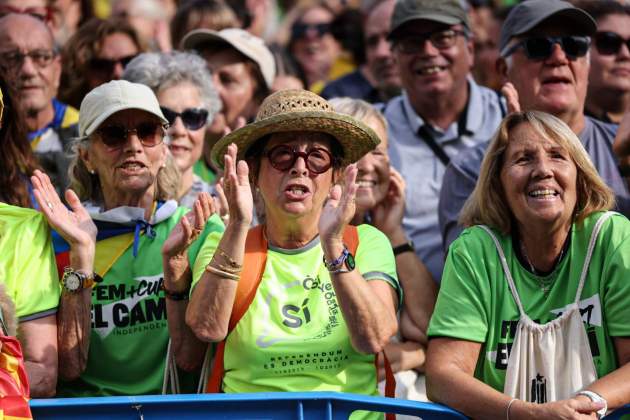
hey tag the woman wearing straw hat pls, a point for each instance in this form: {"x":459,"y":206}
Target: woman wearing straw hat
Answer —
{"x":303,"y":301}
{"x":112,"y":326}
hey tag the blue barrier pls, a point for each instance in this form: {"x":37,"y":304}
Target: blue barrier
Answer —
{"x":267,"y":406}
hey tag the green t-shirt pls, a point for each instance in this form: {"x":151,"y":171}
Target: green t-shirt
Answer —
{"x":129,"y":327}
{"x":204,"y":172}
{"x":27,"y":264}
{"x":475,"y":302}
{"x":293,"y":337}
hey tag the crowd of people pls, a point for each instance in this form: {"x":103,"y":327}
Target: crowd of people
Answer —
{"x":181,"y":211}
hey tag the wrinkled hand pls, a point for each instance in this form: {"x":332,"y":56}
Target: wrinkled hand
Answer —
{"x":401,"y":356}
{"x":511,"y":95}
{"x":75,"y":224}
{"x":189,"y":227}
{"x":221,"y":206}
{"x":237,"y":190}
{"x":573,"y":408}
{"x":340,"y":207}
{"x":388,"y":214}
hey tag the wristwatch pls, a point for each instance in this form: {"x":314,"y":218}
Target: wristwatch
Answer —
{"x":406,"y":247}
{"x":595,"y":397}
{"x":345,"y":259}
{"x":73,"y":280}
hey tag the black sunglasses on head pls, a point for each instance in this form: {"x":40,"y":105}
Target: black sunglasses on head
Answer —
{"x":540,"y":48}
{"x":299,"y":30}
{"x":609,"y":43}
{"x":193,"y":118}
{"x":105,"y":65}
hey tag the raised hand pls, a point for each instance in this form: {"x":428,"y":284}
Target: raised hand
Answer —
{"x":221,"y":205}
{"x":340,"y":207}
{"x":237,"y":189}
{"x":75,"y":224}
{"x":189,"y":227}
{"x":388,"y":214}
{"x":511,"y":95}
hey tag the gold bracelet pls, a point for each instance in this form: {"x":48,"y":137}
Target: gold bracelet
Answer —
{"x":229,"y":259}
{"x":228,"y":269}
{"x":222,"y":273}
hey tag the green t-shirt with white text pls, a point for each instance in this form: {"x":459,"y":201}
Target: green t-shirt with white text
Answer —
{"x":475,"y":303}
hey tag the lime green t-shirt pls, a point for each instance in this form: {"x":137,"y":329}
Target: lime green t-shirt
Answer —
{"x":129,"y":326}
{"x":293,"y":337}
{"x":27,"y":262}
{"x":475,"y":302}
{"x":204,"y":172}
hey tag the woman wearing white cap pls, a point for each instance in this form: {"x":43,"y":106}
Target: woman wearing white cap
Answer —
{"x":304,"y":301}
{"x":112,"y":303}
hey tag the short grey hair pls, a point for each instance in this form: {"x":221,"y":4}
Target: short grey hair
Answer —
{"x":163,"y":70}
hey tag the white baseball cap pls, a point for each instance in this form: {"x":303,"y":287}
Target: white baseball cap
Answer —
{"x":109,"y":98}
{"x":247,"y":44}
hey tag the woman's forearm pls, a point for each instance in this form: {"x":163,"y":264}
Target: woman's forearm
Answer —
{"x":73,"y":332}
{"x":368,"y":308}
{"x":210,"y":306}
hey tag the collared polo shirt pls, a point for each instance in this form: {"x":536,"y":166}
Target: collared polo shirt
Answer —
{"x":423,"y":170}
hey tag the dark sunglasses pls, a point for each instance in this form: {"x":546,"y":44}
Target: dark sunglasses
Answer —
{"x":609,"y":43}
{"x":193,"y":118}
{"x":283,"y":157}
{"x":299,"y":30}
{"x":114,"y":137}
{"x":574,"y":46}
{"x":105,"y":65}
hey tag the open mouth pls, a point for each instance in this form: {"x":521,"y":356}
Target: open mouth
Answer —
{"x":132,"y":166}
{"x":366,"y":183}
{"x":176,"y":148}
{"x":555,"y":80}
{"x":296,"y":191}
{"x":431,"y":70}
{"x":543,"y":194}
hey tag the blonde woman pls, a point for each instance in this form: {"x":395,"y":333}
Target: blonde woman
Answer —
{"x":532,"y":317}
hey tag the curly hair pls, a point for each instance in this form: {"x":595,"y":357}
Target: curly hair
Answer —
{"x":80,"y":49}
{"x":163,"y":70}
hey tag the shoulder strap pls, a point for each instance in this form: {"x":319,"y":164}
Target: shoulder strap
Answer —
{"x":439,"y":152}
{"x":254,"y":262}
{"x":589,"y":251}
{"x":351,"y":238}
{"x":506,"y":270}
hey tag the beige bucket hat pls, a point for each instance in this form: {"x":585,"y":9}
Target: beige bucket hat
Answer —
{"x":300,"y":110}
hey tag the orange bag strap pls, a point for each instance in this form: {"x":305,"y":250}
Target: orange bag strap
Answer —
{"x":254,"y":262}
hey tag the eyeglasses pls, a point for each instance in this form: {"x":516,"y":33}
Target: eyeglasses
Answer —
{"x":442,"y":39}
{"x":106,"y":66}
{"x":150,"y":134}
{"x":193,"y":118}
{"x":41,"y":58}
{"x":283,"y":157}
{"x":609,"y":43}
{"x":299,"y":30}
{"x":541,"y":48}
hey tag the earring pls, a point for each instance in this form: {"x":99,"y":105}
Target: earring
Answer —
{"x":91,"y":171}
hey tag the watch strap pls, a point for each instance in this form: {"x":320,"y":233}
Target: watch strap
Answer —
{"x":406,"y":247}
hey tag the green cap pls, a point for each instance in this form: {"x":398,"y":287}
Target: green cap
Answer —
{"x":449,"y":12}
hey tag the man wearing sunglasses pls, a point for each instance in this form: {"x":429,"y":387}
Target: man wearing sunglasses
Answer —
{"x":544,"y":55}
{"x":441,"y":112}
{"x":32,"y":68}
{"x":608,"y":95}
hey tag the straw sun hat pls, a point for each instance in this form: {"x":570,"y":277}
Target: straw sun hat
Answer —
{"x":300,"y":110}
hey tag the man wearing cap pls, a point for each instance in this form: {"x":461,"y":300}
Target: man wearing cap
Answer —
{"x":377,"y":80}
{"x":32,"y":68}
{"x":441,"y":111}
{"x":544,"y":55}
{"x":243,"y":71}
